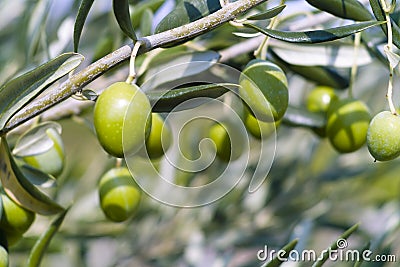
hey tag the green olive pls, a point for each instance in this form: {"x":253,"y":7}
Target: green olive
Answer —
{"x":320,"y":98}
{"x":318,"y":101}
{"x":160,"y":137}
{"x":15,"y":220}
{"x":122,"y":106}
{"x":262,"y":80}
{"x":219,"y":134}
{"x":383,"y":137}
{"x":347,"y":124}
{"x":51,"y":161}
{"x":4,"y":261}
{"x":119,"y":195}
{"x":259,"y":129}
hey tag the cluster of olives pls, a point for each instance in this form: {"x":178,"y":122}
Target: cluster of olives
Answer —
{"x":349,"y":125}
{"x":124,"y":111}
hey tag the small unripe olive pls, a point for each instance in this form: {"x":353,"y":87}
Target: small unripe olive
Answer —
{"x":262,"y":80}
{"x":347,"y":124}
{"x":320,"y":98}
{"x":225,"y":150}
{"x":4,"y":261}
{"x":119,"y":195}
{"x":15,"y":220}
{"x":257,"y":128}
{"x":383,"y":137}
{"x":52,"y":161}
{"x":160,"y":137}
{"x":122,"y":110}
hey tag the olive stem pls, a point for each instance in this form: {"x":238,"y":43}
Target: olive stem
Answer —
{"x":132,"y":71}
{"x":389,"y":94}
{"x":171,"y":37}
{"x":354,"y":67}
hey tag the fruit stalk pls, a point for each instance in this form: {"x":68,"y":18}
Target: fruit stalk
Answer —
{"x":79,"y":80}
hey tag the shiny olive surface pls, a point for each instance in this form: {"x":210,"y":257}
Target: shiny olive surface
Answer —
{"x":160,"y":137}
{"x":264,"y":89}
{"x":383,"y":138}
{"x":122,"y":111}
{"x":347,"y":124}
{"x":119,"y":195}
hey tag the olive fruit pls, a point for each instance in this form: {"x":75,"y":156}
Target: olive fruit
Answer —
{"x":320,"y":98}
{"x":15,"y":220}
{"x":383,"y":137}
{"x":219,"y":133}
{"x":52,"y":160}
{"x":318,"y":101}
{"x":262,"y":80}
{"x":347,"y":124}
{"x":160,"y":137}
{"x":259,"y":129}
{"x":119,"y":195}
{"x":122,"y":106}
{"x":4,"y":261}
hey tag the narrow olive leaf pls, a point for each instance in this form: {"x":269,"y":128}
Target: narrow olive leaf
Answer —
{"x":20,"y":189}
{"x":18,"y":92}
{"x":187,"y":11}
{"x":35,"y":140}
{"x":321,"y":75}
{"x":337,"y":244}
{"x":146,"y":22}
{"x":171,"y":66}
{"x":166,"y":101}
{"x":121,"y":12}
{"x":37,"y":177}
{"x":360,"y":261}
{"x":347,"y":9}
{"x":380,"y":16}
{"x":83,"y":12}
{"x":334,"y":55}
{"x":39,"y":249}
{"x":270,"y":13}
{"x":140,"y":7}
{"x":297,"y":117}
{"x":282,"y":254}
{"x":317,"y":36}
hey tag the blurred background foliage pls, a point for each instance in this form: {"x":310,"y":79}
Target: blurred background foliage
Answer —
{"x":311,"y":193}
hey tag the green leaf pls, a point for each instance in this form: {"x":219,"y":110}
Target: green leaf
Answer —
{"x":121,"y":12}
{"x":270,"y":13}
{"x":187,"y":11}
{"x":20,"y":189}
{"x":39,"y":249}
{"x":35,"y":140}
{"x":167,"y":66}
{"x":83,"y":12}
{"x":35,"y":29}
{"x":277,"y":261}
{"x":317,"y":36}
{"x":335,"y":55}
{"x":146,"y":22}
{"x":37,"y":177}
{"x":18,"y":92}
{"x":324,"y":257}
{"x":321,"y":75}
{"x":298,"y":117}
{"x":185,"y":98}
{"x":380,"y":16}
{"x":137,"y":13}
{"x":347,"y":9}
